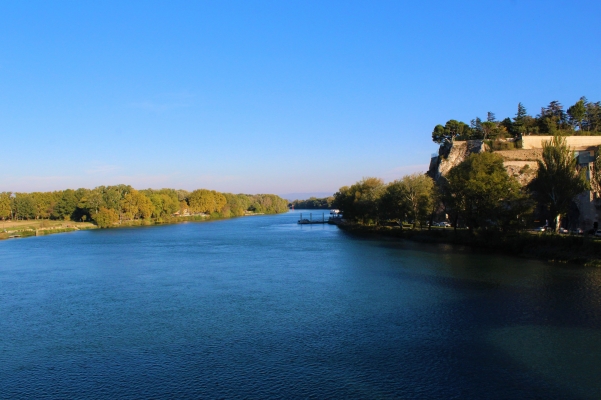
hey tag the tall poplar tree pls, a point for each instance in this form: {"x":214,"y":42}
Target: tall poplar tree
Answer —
{"x":557,"y":180}
{"x":5,"y":208}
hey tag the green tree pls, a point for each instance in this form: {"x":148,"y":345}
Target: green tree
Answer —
{"x":361,"y":201}
{"x":43,"y":204}
{"x":552,"y":119}
{"x":480,"y":190}
{"x":93,"y":200}
{"x":577,"y":112}
{"x":202,"y":201}
{"x":593,"y":117}
{"x":488,"y":130}
{"x":508,"y":125}
{"x":450,"y":131}
{"x":418,"y":192}
{"x":393,"y":202}
{"x":5,"y":205}
{"x":236,"y":204}
{"x":558,"y":180}
{"x":164,"y":203}
{"x":520,"y":119}
{"x":595,"y":181}
{"x":23,"y":205}
{"x":66,"y":205}
{"x":157,"y":205}
{"x":136,"y":205}
{"x":105,"y":217}
{"x":144,"y":206}
{"x":476,"y":129}
{"x":170,"y":204}
{"x":268,"y":204}
{"x":314,"y":203}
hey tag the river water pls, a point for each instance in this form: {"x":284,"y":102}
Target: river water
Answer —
{"x":260,"y":307}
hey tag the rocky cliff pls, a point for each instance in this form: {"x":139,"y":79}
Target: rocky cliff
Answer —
{"x":520,"y":164}
{"x":452,"y":154}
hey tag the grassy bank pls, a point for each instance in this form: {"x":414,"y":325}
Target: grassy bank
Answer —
{"x":17,"y":225}
{"x":28,"y":232}
{"x":163,"y":221}
{"x":548,"y":247}
{"x":28,"y":228}
{"x":40,"y":227}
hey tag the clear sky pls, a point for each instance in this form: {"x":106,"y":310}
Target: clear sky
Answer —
{"x":270,"y":96}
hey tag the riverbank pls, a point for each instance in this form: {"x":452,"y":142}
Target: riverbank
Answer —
{"x":21,"y":229}
{"x":41,"y":227}
{"x":543,"y":246}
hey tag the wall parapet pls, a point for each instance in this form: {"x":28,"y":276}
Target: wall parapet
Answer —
{"x":575,"y":142}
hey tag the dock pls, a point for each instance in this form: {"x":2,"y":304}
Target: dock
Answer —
{"x":310,"y":220}
{"x":334,"y":218}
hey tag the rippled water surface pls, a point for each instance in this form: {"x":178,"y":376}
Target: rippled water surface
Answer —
{"x":259,"y":307}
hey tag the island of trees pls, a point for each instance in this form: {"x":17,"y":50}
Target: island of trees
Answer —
{"x":109,"y":206}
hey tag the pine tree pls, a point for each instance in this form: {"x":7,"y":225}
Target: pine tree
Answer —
{"x":520,"y":116}
{"x":577,"y":112}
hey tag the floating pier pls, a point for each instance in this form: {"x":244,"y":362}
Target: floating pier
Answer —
{"x":334,"y":218}
{"x":309,"y":221}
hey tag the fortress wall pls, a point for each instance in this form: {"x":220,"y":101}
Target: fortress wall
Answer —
{"x":521,"y":164}
{"x":575,"y":142}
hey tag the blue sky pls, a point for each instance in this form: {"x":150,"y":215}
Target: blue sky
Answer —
{"x":270,"y":97}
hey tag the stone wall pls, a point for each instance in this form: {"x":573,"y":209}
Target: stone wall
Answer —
{"x":575,"y":142}
{"x":518,"y":170}
{"x":521,"y":155}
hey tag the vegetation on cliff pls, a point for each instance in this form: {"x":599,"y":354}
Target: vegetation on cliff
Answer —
{"x":582,"y":118}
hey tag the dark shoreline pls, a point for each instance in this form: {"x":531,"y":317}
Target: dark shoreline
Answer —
{"x":580,"y":250}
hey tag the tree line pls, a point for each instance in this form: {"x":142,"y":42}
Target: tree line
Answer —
{"x":581,"y":118}
{"x":108,"y":205}
{"x":313,"y":203}
{"x":477,"y":193}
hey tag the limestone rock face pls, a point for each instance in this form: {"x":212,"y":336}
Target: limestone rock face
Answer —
{"x":520,"y":164}
{"x":523,"y":171}
{"x":453,"y":154}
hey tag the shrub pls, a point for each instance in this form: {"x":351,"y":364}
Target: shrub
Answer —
{"x":105,"y":218}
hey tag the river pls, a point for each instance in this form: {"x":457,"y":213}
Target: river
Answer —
{"x":260,"y":307}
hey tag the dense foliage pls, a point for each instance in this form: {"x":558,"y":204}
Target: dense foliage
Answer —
{"x":371,"y":200}
{"x":582,"y":118}
{"x":314,"y":203}
{"x":558,"y":179}
{"x":107,"y":205}
{"x":478,"y":193}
